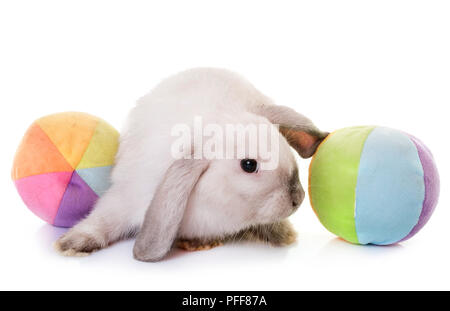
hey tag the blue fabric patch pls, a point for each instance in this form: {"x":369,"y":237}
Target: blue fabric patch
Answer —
{"x":98,"y":178}
{"x":390,"y":188}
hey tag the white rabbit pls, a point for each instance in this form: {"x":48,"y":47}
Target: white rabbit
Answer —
{"x":198,"y":202}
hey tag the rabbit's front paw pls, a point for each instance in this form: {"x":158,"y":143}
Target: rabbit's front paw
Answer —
{"x":79,"y":244}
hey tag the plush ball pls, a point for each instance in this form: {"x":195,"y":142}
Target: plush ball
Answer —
{"x":63,"y":165}
{"x":373,"y":185}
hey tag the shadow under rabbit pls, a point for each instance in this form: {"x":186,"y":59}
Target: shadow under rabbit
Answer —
{"x":121,"y":251}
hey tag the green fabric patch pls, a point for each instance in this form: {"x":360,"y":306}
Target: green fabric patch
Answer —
{"x":333,"y":177}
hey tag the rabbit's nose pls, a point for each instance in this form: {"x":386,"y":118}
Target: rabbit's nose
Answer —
{"x":297,"y":196}
{"x":296,"y":189}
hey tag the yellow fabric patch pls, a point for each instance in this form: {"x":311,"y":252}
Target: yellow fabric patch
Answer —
{"x":71,"y":133}
{"x":102,"y":148}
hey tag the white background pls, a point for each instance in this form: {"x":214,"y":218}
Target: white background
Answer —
{"x":341,"y":63}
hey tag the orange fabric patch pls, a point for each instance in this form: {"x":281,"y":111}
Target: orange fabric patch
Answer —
{"x":70,"y":132}
{"x":37,"y":155}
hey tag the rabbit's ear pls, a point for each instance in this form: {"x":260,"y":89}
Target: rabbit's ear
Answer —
{"x":298,"y":130}
{"x":164,"y":215}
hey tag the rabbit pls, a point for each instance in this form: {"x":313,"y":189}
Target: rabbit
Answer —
{"x":197,"y":203}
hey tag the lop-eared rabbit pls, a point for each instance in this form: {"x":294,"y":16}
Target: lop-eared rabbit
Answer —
{"x":193,"y":201}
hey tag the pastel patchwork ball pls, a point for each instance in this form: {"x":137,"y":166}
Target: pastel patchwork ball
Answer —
{"x":373,"y":185}
{"x":63,"y":165}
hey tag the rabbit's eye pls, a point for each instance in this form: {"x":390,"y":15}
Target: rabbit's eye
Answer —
{"x":249,"y":165}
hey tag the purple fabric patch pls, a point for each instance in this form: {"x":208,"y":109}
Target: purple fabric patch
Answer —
{"x":76,"y":203}
{"x":431,"y":179}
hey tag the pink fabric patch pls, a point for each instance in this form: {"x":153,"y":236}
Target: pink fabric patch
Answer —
{"x":43,"y":193}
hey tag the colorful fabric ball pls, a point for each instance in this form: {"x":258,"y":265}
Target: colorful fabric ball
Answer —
{"x":373,"y":185}
{"x":63,"y":165}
